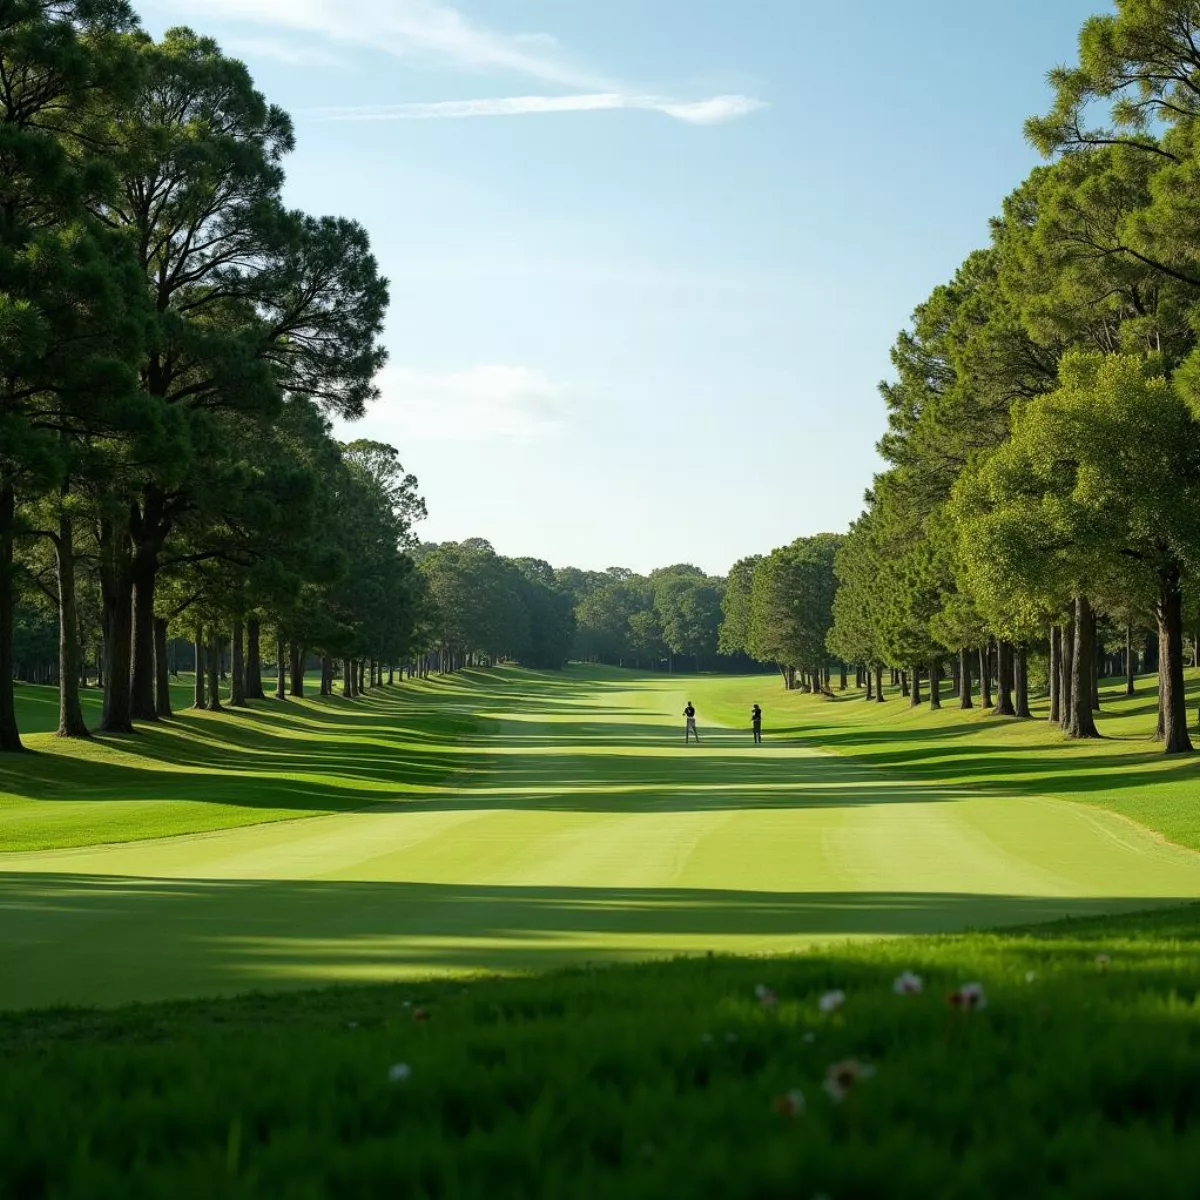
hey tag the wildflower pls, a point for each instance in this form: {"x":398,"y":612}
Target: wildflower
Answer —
{"x":789,"y":1104}
{"x":419,"y":1014}
{"x":907,"y":984}
{"x":399,"y":1073}
{"x":1102,"y":963}
{"x":842,"y":1077}
{"x":766,"y":997}
{"x":832,"y":1001}
{"x":969,"y":997}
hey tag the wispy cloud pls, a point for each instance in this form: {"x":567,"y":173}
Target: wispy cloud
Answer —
{"x":434,"y":31}
{"x":295,"y":54}
{"x":407,"y":28}
{"x":484,"y":402}
{"x":700,"y":112}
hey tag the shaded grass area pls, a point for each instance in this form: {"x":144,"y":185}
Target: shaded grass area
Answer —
{"x":660,"y":1080}
{"x":200,"y":771}
{"x":1124,"y":771}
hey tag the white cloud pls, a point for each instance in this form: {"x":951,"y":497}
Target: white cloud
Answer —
{"x":432,"y":30}
{"x":702,"y":112}
{"x":294,"y":54}
{"x":705,"y":112}
{"x":484,"y":402}
{"x":406,"y":28}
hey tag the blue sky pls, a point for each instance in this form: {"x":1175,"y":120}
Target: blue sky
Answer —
{"x":647,"y":256}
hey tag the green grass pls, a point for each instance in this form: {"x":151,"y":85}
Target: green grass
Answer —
{"x":512,"y":821}
{"x":202,"y":771}
{"x":653,"y":1081}
{"x":468,"y":835}
{"x":1125,"y":771}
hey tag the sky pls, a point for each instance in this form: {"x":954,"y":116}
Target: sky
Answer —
{"x":647,"y":257}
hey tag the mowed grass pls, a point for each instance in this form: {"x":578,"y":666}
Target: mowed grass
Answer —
{"x":1081,"y":1077}
{"x":1124,"y":771}
{"x":559,"y":819}
{"x":199,"y":771}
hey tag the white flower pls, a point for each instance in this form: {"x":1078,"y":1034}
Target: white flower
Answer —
{"x":399,"y":1072}
{"x":842,"y":1077}
{"x":970,"y":996}
{"x":907,"y":984}
{"x":832,"y":1001}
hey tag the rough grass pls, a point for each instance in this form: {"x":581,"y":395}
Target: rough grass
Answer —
{"x":1078,"y":1079}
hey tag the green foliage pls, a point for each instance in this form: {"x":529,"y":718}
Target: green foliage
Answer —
{"x":791,"y":603}
{"x":1097,"y":490}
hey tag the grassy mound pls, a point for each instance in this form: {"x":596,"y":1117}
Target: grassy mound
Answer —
{"x":1080,"y":1077}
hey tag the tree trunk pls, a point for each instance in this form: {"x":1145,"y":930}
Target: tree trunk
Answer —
{"x":904,"y":690}
{"x":213,"y":663}
{"x":915,"y":695}
{"x":1066,"y":658}
{"x":199,"y":700}
{"x":1172,"y":699}
{"x":879,"y":696}
{"x":391,"y":674}
{"x":985,"y":679}
{"x":867,"y":674}
{"x":348,"y":689}
{"x":296,"y":657}
{"x":70,"y":712}
{"x":10,"y":737}
{"x":237,"y":667}
{"x":162,"y":669}
{"x":326,"y":675}
{"x":1130,"y":686}
{"x":144,"y":575}
{"x":1021,"y":680}
{"x":280,"y":669}
{"x":1055,"y":672}
{"x":964,"y":676}
{"x":935,"y":684}
{"x":1083,"y":665}
{"x":116,"y":588}
{"x":360,"y":682}
{"x":1004,"y":679}
{"x":254,"y":684}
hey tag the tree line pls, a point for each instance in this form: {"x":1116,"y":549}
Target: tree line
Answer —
{"x":174,"y":343}
{"x":1040,"y":507}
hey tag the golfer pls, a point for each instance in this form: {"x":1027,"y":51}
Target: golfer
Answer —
{"x":689,"y":729}
{"x":756,"y":724}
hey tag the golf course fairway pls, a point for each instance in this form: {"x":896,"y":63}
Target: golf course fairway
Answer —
{"x":570,"y":823}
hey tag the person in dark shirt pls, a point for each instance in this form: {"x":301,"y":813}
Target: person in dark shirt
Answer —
{"x":689,"y":729}
{"x":756,"y":724}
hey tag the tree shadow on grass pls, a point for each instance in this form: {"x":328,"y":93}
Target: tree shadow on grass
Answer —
{"x":105,"y":939}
